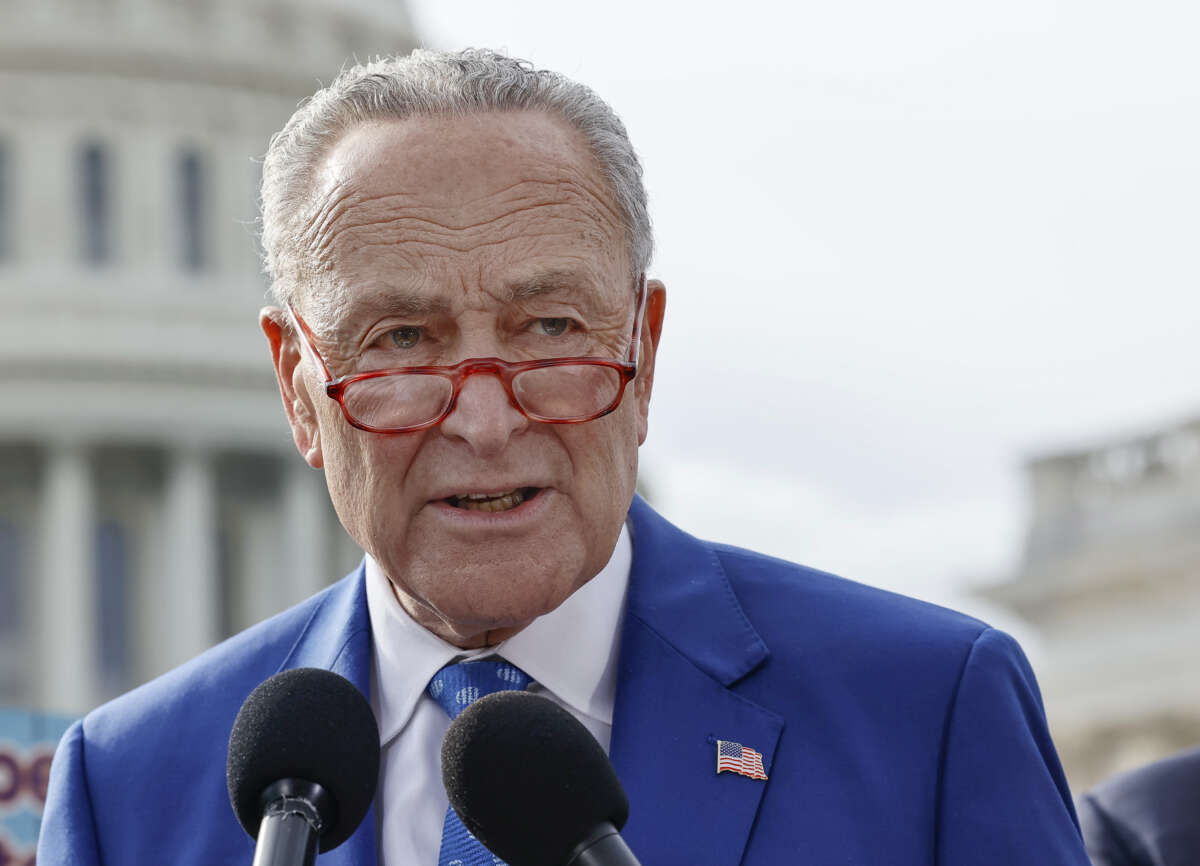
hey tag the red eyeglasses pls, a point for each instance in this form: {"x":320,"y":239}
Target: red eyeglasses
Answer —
{"x":547,"y":390}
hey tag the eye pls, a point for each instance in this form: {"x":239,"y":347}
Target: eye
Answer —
{"x":553,"y":327}
{"x":405,"y":337}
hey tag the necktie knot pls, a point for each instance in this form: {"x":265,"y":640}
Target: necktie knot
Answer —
{"x":455,"y":687}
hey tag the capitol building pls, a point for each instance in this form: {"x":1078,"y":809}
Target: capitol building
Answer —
{"x":151,"y":500}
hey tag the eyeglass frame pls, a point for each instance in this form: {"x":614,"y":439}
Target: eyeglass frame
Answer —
{"x":505,"y":371}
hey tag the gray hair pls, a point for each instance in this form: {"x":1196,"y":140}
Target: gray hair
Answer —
{"x":431,"y":83}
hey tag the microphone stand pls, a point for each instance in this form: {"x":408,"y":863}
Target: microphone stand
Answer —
{"x":291,"y":823}
{"x":602,"y":847}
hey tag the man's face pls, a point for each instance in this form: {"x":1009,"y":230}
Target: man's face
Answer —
{"x":450,"y":238}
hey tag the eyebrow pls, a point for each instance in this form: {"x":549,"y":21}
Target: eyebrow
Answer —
{"x":403,"y":304}
{"x":543,"y":283}
{"x":537,"y":285}
{"x":409,"y":304}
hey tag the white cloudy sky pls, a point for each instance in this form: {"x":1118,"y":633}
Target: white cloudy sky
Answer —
{"x":906,"y":245}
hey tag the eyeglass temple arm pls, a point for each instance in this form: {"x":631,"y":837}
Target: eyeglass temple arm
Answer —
{"x":308,"y":340}
{"x":638,"y":315}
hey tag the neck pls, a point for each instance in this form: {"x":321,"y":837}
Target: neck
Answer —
{"x":463,"y":638}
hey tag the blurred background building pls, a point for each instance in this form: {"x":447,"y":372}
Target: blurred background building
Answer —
{"x":1110,"y":582}
{"x":151,"y":501}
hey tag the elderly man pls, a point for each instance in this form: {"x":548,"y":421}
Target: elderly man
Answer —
{"x":465,"y":340}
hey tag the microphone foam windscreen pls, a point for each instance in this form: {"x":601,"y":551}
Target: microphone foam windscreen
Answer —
{"x":308,"y":724}
{"x":527,"y":779}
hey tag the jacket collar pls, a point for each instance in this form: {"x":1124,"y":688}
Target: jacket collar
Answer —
{"x":678,"y":588}
{"x":686,"y":642}
{"x":337,"y":636}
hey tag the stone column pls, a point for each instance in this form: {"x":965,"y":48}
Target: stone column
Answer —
{"x":66,"y":634}
{"x":191,"y":596}
{"x":305,"y":531}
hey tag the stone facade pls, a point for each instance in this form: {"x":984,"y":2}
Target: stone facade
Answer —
{"x":1110,"y":581}
{"x":151,"y":500}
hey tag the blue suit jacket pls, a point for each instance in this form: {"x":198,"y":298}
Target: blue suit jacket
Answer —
{"x":894,"y":733}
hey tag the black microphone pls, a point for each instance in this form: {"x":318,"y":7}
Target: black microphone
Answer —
{"x":533,"y":785}
{"x":303,"y":764}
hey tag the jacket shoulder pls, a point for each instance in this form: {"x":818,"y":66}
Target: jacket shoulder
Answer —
{"x":160,"y":750}
{"x":200,"y":698}
{"x":816,"y":607}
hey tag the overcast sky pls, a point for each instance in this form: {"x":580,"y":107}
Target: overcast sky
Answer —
{"x":906,"y":246}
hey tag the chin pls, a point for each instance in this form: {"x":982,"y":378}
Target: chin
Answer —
{"x":511,"y":601}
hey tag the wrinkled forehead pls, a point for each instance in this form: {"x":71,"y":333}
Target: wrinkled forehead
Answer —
{"x":473,"y":204}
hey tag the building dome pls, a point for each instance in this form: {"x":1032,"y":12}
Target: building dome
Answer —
{"x":151,"y":500}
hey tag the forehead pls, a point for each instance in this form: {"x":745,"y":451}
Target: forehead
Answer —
{"x":470,"y":204}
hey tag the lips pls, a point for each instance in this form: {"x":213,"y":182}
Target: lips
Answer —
{"x":492,"y":502}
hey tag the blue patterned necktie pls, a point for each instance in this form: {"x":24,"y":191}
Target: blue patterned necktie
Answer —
{"x":455,"y":687}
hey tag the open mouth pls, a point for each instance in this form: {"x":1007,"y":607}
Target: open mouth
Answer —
{"x":492,"y":502}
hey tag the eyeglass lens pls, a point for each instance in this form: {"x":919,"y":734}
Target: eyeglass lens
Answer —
{"x":560,"y":393}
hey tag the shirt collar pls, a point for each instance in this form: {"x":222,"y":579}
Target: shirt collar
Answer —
{"x":570,"y":651}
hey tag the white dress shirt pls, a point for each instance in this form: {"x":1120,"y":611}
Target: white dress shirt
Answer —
{"x":571,"y":654}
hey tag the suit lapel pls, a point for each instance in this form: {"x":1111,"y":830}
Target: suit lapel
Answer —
{"x":685,"y":642}
{"x":338,"y":638}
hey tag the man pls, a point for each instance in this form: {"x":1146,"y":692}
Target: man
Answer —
{"x":1146,"y":817}
{"x":465,"y":340}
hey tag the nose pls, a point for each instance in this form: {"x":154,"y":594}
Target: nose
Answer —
{"x":483,"y":416}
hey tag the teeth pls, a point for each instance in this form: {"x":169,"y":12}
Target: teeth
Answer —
{"x":488,"y":502}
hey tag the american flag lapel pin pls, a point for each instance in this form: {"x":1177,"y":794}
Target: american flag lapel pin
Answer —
{"x":737,"y":758}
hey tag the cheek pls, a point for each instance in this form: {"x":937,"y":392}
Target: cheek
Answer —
{"x":605,"y":459}
{"x":365,"y":473}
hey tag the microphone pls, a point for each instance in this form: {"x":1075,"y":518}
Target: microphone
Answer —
{"x":530,"y":783}
{"x":303,"y":764}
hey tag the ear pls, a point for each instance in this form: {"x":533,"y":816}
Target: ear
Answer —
{"x":293,"y":388}
{"x":656,"y":305}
